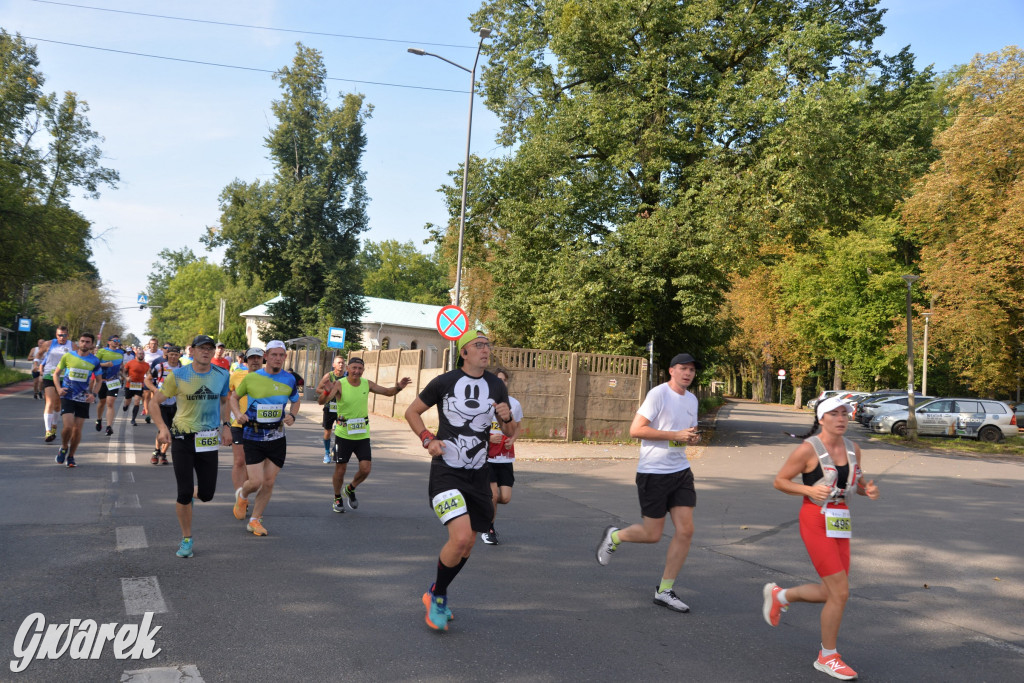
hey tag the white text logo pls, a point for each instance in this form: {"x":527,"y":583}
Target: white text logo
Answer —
{"x":81,"y":639}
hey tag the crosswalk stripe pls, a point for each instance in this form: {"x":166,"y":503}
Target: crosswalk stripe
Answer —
{"x":186,"y":673}
{"x":142,"y":594}
{"x":131,"y":537}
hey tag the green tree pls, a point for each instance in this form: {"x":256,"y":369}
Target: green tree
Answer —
{"x":397,"y":270}
{"x":299,"y":233}
{"x":652,"y":145}
{"x":47,"y":150}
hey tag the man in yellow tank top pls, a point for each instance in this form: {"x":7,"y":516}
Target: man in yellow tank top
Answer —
{"x":352,"y":429}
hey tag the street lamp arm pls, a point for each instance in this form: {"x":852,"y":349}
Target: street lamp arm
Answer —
{"x":424,"y":53}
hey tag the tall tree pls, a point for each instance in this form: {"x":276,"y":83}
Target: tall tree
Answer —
{"x":648,"y":156}
{"x":299,"y":233}
{"x":80,"y":304}
{"x":47,"y":151}
{"x":968,"y":214}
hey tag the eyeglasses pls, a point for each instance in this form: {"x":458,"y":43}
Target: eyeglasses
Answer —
{"x":64,"y":334}
{"x":479,"y":346}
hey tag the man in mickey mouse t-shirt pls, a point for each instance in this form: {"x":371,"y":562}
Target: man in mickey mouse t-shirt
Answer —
{"x":468,"y":399}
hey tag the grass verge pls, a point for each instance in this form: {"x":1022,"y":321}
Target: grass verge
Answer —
{"x":1009,"y":446}
{"x":9,"y":376}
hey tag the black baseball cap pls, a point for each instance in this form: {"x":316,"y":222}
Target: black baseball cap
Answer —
{"x":203,"y":340}
{"x":683,"y":358}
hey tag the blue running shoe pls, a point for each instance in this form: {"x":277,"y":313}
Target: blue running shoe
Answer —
{"x":71,"y":461}
{"x":61,"y":454}
{"x":185,"y":549}
{"x":438,"y":614}
{"x":327,"y":458}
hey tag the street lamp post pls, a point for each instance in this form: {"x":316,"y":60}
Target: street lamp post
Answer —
{"x":924,"y":361}
{"x":484,"y":33}
{"x":911,"y":415}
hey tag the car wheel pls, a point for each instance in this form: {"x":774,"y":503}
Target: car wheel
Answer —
{"x":899,"y":428}
{"x":990,"y":434}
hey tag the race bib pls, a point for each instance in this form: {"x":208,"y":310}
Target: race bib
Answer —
{"x":332,"y":407}
{"x":113,"y":384}
{"x":207,"y":441}
{"x":449,"y":505}
{"x":78,"y":374}
{"x":837,"y":523}
{"x":269,"y":413}
{"x":356,"y":425}
{"x":135,"y":386}
{"x":677,"y":445}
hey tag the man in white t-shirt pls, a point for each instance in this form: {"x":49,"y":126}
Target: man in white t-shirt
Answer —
{"x":665,"y":423}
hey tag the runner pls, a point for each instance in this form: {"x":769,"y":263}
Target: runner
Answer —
{"x":112,"y":358}
{"x":50,"y":354}
{"x":37,"y":370}
{"x":154,"y":381}
{"x":254,"y":361}
{"x":352,"y":432}
{"x":501,"y":455}
{"x":136,"y":371}
{"x":187,"y":358}
{"x":830,"y":467}
{"x":459,"y":489}
{"x":204,"y":390}
{"x":665,"y":423}
{"x":219,"y":359}
{"x":327,"y":384}
{"x":76,"y":384}
{"x":263,"y":439}
{"x":152,"y":354}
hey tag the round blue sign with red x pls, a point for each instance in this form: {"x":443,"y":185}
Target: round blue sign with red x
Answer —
{"x":452,"y":322}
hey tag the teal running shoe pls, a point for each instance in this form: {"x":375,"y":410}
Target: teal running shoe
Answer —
{"x":185,"y":549}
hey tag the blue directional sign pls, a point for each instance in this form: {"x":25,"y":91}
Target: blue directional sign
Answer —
{"x":24,"y":324}
{"x":143,"y":300}
{"x":336,"y":338}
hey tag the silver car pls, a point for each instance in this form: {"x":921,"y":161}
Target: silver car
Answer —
{"x":974,"y":418}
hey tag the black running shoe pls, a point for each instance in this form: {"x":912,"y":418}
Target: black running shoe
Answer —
{"x":99,"y":425}
{"x":110,"y":430}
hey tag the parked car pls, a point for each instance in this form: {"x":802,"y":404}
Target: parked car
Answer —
{"x":982,"y":419}
{"x":866,"y":410}
{"x":888,"y":404}
{"x":821,"y":397}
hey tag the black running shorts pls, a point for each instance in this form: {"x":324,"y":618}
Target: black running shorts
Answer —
{"x":344,"y":448}
{"x":659,"y":493}
{"x":455,"y":492}
{"x":502,"y":473}
{"x":76,"y":408}
{"x":258,"y":451}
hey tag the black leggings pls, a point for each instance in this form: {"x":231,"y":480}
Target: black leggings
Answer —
{"x":185,"y":459}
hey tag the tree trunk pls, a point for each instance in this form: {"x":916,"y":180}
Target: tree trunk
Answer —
{"x":798,"y":396}
{"x":837,"y":377}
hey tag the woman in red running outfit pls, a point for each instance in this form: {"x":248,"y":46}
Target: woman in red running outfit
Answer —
{"x":830,"y":471}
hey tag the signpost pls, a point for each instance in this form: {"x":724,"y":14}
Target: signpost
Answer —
{"x":336,"y":337}
{"x":24,"y":324}
{"x":782,"y":378}
{"x":142,"y":300}
{"x":452,"y":324}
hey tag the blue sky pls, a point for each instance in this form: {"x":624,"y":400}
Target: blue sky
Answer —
{"x":178,"y":133}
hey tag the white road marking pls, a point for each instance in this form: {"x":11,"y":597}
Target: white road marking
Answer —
{"x":131,"y":538}
{"x":115,"y":443}
{"x":186,"y":673}
{"x":128,"y":500}
{"x":129,"y":451}
{"x":113,"y":477}
{"x":142,"y":594}
{"x":131,"y":477}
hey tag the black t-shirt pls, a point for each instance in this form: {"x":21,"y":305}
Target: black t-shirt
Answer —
{"x":465,"y":409}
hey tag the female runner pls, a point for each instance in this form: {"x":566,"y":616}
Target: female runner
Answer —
{"x":830,"y":466}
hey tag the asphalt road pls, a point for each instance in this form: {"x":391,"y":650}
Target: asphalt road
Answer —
{"x":937,"y":577}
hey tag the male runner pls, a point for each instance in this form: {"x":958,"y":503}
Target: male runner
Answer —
{"x":263,"y":421}
{"x":467,"y":400}
{"x":111,"y":359}
{"x":352,"y":432}
{"x":219,"y":359}
{"x":136,"y":371}
{"x":203,"y":390}
{"x":187,"y":358}
{"x":75,"y":383}
{"x":152,"y":354}
{"x":37,"y":370}
{"x":327,"y":382}
{"x":253,"y":362}
{"x":665,"y":423}
{"x":501,"y":455}
{"x":154,"y":381}
{"x":49,"y":354}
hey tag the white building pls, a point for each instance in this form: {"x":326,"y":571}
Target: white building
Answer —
{"x":387,"y":324}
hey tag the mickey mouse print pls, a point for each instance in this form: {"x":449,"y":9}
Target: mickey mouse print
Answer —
{"x":465,"y":411}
